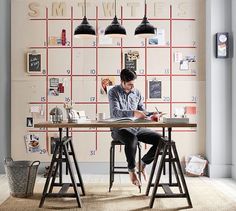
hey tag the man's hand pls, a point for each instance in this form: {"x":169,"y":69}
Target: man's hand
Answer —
{"x":139,"y":114}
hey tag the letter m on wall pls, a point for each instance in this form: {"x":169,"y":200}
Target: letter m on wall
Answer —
{"x":58,"y":9}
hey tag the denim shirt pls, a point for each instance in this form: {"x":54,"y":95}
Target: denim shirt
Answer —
{"x":123,"y":104}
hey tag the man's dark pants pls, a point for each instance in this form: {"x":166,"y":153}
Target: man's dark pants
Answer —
{"x":130,"y":137}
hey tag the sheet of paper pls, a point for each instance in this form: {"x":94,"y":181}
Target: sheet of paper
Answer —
{"x":161,"y":36}
{"x":34,"y":109}
{"x":196,"y":165}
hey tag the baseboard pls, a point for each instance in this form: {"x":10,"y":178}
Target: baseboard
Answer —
{"x":220,"y":171}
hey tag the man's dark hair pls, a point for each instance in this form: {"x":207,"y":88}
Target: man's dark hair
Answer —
{"x":127,"y":75}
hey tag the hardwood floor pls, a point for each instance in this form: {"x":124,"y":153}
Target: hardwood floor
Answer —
{"x":225,"y":185}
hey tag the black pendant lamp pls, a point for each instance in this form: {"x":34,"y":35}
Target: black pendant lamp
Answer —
{"x":145,"y":29}
{"x":115,"y":29}
{"x":84,"y":30}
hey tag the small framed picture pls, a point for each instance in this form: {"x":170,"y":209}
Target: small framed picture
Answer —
{"x":29,"y":122}
{"x":34,"y":63}
{"x":222,"y":45}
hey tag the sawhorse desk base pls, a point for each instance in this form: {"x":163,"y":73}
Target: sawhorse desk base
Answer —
{"x":168,"y":148}
{"x":61,"y":149}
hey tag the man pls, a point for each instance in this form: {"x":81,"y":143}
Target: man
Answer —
{"x":126,"y":101}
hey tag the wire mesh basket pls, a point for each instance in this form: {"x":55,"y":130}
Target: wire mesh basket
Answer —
{"x":21,"y":176}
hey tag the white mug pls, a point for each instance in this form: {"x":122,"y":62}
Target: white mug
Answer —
{"x":101,"y":116}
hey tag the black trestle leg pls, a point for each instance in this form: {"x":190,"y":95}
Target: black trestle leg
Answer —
{"x":49,"y":176}
{"x":158,"y":176}
{"x":72,"y":176}
{"x":170,"y":154}
{"x":77,"y":168}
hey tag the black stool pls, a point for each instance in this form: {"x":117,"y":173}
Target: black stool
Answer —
{"x":113,"y":168}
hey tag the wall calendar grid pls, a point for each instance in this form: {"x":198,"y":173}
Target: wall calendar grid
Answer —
{"x":95,"y":102}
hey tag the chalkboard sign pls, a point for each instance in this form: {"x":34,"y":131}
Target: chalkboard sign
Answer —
{"x":130,"y":64}
{"x":34,"y":63}
{"x":154,"y":89}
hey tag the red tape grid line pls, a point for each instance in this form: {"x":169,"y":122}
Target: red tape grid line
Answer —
{"x":47,"y":141}
{"x":71,"y":57}
{"x":170,"y":60}
{"x":96,"y":141}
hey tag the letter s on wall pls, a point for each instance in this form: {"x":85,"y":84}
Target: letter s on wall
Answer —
{"x":34,"y":9}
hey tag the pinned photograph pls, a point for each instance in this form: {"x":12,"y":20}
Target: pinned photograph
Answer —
{"x":154,"y":89}
{"x":106,"y":84}
{"x":184,"y":65}
{"x":190,"y":58}
{"x":32,"y":144}
{"x":53,"y":92}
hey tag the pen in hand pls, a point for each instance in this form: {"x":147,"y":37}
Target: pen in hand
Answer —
{"x":157,"y":110}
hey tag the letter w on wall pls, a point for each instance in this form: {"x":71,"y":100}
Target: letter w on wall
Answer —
{"x":108,"y":9}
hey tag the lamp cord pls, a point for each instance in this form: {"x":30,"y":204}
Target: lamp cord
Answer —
{"x":145,"y":9}
{"x":85,"y":8}
{"x":115,"y":7}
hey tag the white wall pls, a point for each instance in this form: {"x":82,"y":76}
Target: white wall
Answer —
{"x":5,"y":84}
{"x":234,"y":92}
{"x":218,"y":92}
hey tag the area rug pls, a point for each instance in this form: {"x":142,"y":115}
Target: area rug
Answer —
{"x":126,"y":197}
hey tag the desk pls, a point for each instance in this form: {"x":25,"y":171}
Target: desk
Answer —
{"x":64,"y":143}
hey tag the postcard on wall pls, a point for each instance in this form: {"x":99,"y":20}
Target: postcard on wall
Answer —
{"x":155,"y":89}
{"x":106,"y":84}
{"x":33,"y":144}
